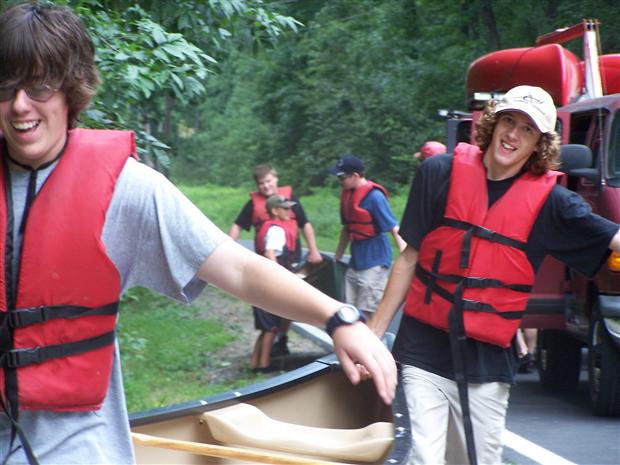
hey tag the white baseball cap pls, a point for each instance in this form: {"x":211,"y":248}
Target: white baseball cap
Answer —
{"x":535,"y":102}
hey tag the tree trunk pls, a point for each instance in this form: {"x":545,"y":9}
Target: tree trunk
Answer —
{"x":488,"y":22}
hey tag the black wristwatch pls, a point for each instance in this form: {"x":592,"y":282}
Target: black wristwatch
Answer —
{"x":345,"y":315}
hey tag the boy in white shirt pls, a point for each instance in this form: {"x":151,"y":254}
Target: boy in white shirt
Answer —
{"x":276,"y":241}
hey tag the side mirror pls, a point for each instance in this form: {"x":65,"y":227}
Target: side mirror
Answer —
{"x":591,"y":174}
{"x":577,"y":161}
{"x":575,"y":157}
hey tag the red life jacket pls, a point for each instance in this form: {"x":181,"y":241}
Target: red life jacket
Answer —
{"x":58,"y":344}
{"x":259,"y":203}
{"x":356,"y":219}
{"x":476,"y":257}
{"x":260,"y":215}
{"x":290,"y":233}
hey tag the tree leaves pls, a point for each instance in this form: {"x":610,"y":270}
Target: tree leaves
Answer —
{"x":154,"y":56}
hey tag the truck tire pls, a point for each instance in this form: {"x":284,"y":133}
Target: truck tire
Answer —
{"x":559,"y":361}
{"x":603,"y":370}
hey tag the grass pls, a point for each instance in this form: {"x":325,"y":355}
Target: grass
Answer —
{"x":223,"y":204}
{"x":167,"y":348}
{"x":163,"y":346}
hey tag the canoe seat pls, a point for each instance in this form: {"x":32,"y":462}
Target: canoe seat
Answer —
{"x":245,"y":425}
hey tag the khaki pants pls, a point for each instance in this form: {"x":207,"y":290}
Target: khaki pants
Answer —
{"x":435,"y":411}
{"x":364,"y":288}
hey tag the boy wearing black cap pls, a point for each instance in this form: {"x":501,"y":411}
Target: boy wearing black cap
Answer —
{"x":478,"y":224}
{"x":366,"y":217}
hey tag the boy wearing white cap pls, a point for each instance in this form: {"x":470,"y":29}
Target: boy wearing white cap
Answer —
{"x":478,"y":224}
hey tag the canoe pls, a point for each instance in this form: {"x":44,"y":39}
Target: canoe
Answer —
{"x":609,"y":66}
{"x":310,"y":415}
{"x":551,"y":67}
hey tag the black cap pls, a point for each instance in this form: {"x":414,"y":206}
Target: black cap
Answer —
{"x":346,"y":165}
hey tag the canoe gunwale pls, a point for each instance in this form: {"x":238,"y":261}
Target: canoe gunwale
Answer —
{"x":324,"y":365}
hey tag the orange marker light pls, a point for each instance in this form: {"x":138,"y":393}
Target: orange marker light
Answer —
{"x":613,"y":262}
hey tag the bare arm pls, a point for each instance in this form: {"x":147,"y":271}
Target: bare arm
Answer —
{"x":615,"y":243}
{"x":343,"y":242}
{"x":400,"y":243}
{"x":271,"y":255}
{"x":314,"y":256}
{"x":268,"y":285}
{"x":234,"y":232}
{"x":395,"y":291}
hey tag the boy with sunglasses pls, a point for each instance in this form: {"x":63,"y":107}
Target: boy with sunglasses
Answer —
{"x":81,"y":221}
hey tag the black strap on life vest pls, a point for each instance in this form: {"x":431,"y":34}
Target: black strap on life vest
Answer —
{"x":16,"y":430}
{"x":11,"y":406}
{"x":20,"y":317}
{"x":17,"y":358}
{"x":430,"y":278}
{"x":11,"y":359}
{"x":352,"y":228}
{"x":478,"y":231}
{"x":456,"y":324}
{"x":458,"y":347}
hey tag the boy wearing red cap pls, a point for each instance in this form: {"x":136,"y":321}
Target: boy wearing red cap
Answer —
{"x":430,"y":148}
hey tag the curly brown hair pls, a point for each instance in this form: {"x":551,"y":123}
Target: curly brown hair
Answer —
{"x":48,"y":44}
{"x":546,"y":156}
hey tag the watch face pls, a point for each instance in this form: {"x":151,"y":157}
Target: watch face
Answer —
{"x":349,"y":314}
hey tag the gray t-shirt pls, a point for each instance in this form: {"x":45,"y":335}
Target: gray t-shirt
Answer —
{"x":157,"y":239}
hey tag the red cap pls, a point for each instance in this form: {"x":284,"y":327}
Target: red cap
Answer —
{"x":430,"y":148}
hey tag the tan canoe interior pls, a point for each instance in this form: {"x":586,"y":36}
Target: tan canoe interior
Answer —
{"x":327,"y":418}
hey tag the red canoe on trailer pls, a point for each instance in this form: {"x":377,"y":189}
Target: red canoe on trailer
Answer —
{"x":551,"y":67}
{"x":609,"y":66}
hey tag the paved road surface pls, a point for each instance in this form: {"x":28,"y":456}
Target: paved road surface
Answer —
{"x":550,"y":429}
{"x":561,"y":424}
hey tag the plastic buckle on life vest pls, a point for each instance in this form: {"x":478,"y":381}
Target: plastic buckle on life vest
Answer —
{"x":27,"y":316}
{"x":22,"y":357}
{"x":476,"y":282}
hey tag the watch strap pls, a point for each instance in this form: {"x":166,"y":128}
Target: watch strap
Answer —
{"x":335,"y":320}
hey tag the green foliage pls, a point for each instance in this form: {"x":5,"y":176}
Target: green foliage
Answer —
{"x":155,"y":56}
{"x":165,"y":344}
{"x":362,"y":76}
{"x":215,"y":87}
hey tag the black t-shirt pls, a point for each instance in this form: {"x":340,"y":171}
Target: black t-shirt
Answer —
{"x":565,"y":228}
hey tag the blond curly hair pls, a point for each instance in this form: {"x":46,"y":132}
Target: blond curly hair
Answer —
{"x":546,"y":156}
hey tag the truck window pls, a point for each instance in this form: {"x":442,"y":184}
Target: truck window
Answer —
{"x":588,"y":129}
{"x":614,"y":150}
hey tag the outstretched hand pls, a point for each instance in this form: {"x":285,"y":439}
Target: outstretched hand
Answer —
{"x":362,"y":355}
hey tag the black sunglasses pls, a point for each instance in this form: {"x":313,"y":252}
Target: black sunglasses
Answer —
{"x":38,"y":93}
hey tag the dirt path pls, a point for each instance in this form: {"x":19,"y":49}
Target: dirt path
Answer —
{"x":232,"y":362}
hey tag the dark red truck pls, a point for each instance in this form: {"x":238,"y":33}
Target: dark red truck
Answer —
{"x":572,"y":312}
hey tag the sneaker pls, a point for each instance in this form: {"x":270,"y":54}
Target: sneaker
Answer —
{"x":279,"y":347}
{"x":527,"y":364}
{"x":265,"y":370}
